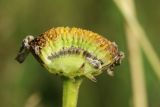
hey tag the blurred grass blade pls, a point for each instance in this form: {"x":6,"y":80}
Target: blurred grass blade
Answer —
{"x":133,"y":33}
{"x":128,"y":11}
{"x":33,"y":100}
{"x":137,"y":71}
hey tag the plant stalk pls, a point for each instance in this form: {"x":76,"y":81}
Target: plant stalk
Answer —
{"x":70,"y":91}
{"x":137,"y":38}
{"x":127,"y":8}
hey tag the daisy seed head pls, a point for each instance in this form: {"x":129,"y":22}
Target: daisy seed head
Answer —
{"x":72,"y":52}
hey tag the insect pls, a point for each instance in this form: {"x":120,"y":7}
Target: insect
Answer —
{"x":72,"y":52}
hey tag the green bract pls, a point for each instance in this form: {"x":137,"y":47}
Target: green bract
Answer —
{"x":72,"y":52}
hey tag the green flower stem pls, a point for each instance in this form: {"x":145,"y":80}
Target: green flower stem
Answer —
{"x":70,"y":91}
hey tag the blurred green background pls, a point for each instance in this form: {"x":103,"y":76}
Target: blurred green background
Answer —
{"x":30,"y":85}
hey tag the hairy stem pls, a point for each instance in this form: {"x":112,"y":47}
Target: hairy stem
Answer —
{"x":70,"y":91}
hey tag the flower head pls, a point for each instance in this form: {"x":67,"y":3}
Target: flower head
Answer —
{"x":72,"y":52}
